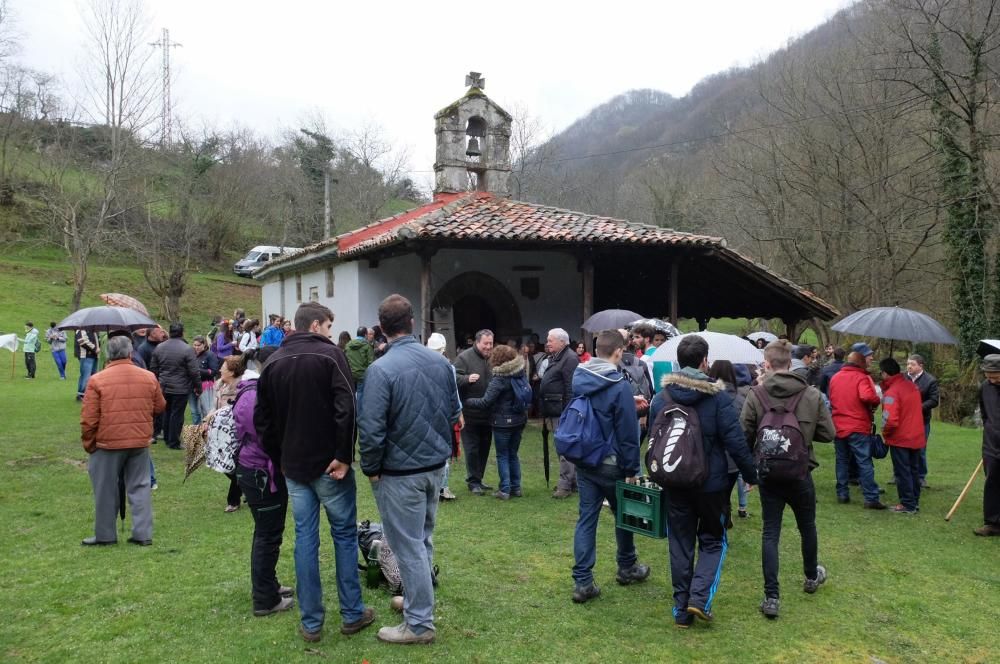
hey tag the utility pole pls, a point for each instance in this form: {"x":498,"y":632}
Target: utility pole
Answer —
{"x":326,"y":202}
{"x":166,"y":119}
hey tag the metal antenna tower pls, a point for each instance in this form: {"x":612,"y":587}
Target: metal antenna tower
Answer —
{"x":166,"y":119}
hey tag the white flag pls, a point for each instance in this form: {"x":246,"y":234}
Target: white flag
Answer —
{"x":9,"y":341}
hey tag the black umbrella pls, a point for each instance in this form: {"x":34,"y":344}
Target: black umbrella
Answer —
{"x":545,"y":449}
{"x":895,"y":323}
{"x":610,"y":319}
{"x":105,"y":319}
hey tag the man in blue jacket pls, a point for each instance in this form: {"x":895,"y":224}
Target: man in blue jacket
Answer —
{"x":697,"y":513}
{"x":407,"y":412}
{"x":611,"y":399}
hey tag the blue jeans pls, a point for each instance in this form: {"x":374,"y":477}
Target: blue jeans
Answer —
{"x":60,"y":359}
{"x":595,"y":485}
{"x":858,"y":447}
{"x":87,"y":367}
{"x":195,"y":404}
{"x":507,"y":442}
{"x":408,"y":507}
{"x":339,"y":500}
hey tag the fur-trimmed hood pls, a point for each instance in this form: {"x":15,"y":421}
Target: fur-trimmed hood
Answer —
{"x":689,"y":387}
{"x":510,"y":367}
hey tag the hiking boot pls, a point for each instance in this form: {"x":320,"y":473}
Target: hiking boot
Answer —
{"x":285,"y":591}
{"x":139,"y":542}
{"x":561,"y":493}
{"x":283,"y":604}
{"x":988,"y":530}
{"x":903,"y":509}
{"x":476,"y":489}
{"x":311,"y":637}
{"x":877,"y":505}
{"x":700,"y":613}
{"x":367,"y":618}
{"x":769,"y":607}
{"x":485,"y":487}
{"x":812,"y":585}
{"x":583,"y":593}
{"x":446,"y":494}
{"x":403,"y":635}
{"x":516,"y":493}
{"x":500,"y":495}
{"x":637,"y":573}
{"x":93,"y":541}
{"x":843,"y":499}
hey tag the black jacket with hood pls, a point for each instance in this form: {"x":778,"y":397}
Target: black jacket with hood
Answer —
{"x":720,"y":424}
{"x":501,"y":402}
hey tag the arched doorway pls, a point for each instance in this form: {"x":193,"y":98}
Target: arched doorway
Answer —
{"x":472,"y":301}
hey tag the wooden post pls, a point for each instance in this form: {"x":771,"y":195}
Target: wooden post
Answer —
{"x":674,"y":274}
{"x":791,"y":330}
{"x":425,"y":295}
{"x":587,"y":265}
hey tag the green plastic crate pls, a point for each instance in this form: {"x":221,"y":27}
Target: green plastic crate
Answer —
{"x":642,"y":509}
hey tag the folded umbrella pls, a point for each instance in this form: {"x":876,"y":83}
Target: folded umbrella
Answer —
{"x":895,"y":323}
{"x":720,"y":347}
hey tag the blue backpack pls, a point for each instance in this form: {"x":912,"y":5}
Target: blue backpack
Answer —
{"x":579,"y":437}
{"x":522,"y":392}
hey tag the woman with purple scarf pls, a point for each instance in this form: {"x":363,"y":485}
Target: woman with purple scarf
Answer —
{"x":264,"y":488}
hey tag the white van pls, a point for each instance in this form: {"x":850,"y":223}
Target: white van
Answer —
{"x":258,"y":257}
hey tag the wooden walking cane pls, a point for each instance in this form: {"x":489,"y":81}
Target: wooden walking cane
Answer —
{"x":961,"y":496}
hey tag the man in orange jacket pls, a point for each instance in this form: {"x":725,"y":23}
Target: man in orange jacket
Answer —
{"x":853,"y":400}
{"x":116,"y":424}
{"x":903,"y":428}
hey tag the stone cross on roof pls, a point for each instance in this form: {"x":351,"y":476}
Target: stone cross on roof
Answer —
{"x":475,"y":80}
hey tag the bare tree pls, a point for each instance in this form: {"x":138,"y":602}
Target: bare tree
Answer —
{"x":368,"y":169}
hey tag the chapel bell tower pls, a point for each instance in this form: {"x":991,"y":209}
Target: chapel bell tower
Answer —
{"x":473,"y":143}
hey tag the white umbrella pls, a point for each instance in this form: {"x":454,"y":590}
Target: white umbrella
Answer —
{"x":720,"y":347}
{"x":766,"y":336}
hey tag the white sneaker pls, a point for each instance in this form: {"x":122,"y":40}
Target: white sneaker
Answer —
{"x":446,"y":494}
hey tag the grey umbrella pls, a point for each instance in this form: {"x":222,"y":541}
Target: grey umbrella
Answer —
{"x":105,"y":319}
{"x":895,"y":323}
{"x":610,"y":319}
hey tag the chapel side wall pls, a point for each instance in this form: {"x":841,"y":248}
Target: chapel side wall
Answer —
{"x":270,"y":298}
{"x":343,"y":303}
{"x":400,"y":274}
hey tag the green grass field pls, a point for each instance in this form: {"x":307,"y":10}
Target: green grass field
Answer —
{"x":901,"y":588}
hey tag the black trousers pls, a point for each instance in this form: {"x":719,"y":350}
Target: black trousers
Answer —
{"x":269,"y":511}
{"x":173,"y":418}
{"x":991,"y":492}
{"x":476,"y":445}
{"x":801,"y":497}
{"x":694,"y":516}
{"x":29,"y":364}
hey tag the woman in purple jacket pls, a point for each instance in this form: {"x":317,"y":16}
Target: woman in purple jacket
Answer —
{"x":264,"y":488}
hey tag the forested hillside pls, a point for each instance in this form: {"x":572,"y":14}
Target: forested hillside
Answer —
{"x":860,"y":160}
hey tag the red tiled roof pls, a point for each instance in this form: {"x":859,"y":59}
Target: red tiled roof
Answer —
{"x":487,"y":218}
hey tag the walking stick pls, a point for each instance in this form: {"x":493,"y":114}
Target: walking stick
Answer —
{"x":961,"y":496}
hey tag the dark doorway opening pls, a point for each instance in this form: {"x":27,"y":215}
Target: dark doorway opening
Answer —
{"x":473,"y":313}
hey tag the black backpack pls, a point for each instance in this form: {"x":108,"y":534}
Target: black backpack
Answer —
{"x":780,"y":453}
{"x":676,"y":455}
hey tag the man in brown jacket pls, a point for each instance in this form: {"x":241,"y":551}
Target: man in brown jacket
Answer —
{"x":815,"y":423}
{"x":116,"y":424}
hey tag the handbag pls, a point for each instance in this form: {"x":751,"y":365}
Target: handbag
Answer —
{"x":879,"y":449}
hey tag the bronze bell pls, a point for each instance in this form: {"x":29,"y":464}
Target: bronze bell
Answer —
{"x":473,"y":149}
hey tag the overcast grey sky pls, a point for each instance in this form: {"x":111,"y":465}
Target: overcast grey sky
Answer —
{"x":266,"y":63}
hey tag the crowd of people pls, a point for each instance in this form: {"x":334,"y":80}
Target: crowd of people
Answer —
{"x":303,"y":404}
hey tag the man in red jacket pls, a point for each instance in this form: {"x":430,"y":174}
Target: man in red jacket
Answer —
{"x":853,"y":400}
{"x":903,"y":428}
